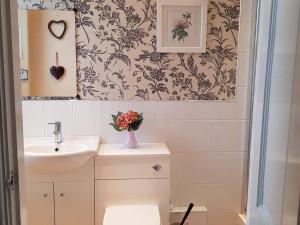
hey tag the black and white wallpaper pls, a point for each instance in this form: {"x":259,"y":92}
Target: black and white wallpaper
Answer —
{"x":117,"y":58}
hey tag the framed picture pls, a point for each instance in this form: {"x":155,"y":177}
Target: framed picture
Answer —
{"x":181,"y":26}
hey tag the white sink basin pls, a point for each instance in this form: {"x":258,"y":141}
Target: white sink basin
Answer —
{"x":42,"y":155}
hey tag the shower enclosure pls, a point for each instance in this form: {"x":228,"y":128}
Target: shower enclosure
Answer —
{"x":274,"y":184}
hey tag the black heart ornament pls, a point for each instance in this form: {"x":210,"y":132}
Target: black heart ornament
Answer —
{"x":52,"y":23}
{"x":57,"y":71}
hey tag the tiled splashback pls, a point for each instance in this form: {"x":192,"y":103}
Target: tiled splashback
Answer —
{"x":117,"y":58}
{"x":195,"y":125}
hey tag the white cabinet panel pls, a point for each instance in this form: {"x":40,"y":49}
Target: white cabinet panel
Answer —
{"x":40,"y":204}
{"x":74,"y":203}
{"x":131,"y":168}
{"x":132,"y":192}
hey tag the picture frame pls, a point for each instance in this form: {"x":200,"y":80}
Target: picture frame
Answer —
{"x":181,"y":26}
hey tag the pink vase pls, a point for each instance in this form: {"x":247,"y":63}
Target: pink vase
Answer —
{"x":131,"y":140}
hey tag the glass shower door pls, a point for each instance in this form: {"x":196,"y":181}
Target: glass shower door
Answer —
{"x":274,"y":102}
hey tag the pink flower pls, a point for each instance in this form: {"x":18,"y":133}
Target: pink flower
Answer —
{"x":130,"y":117}
{"x":122,"y":123}
{"x":182,"y":24}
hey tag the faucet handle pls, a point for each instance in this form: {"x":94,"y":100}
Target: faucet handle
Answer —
{"x":57,"y":127}
{"x":55,"y":123}
{"x":57,"y":131}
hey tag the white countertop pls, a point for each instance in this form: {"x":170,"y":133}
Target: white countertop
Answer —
{"x":143,"y":149}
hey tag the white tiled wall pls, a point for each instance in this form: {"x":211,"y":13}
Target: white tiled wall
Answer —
{"x":208,"y":140}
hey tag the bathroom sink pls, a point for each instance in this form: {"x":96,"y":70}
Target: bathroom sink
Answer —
{"x":42,"y":155}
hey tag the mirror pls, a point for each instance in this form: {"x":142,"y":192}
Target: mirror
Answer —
{"x":47,"y":53}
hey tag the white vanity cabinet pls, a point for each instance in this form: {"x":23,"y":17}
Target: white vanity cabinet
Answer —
{"x":61,"y":203}
{"x":40,"y":204}
{"x":61,"y":199}
{"x":132,"y":177}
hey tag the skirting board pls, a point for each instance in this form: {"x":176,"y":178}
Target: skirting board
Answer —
{"x":184,"y":209}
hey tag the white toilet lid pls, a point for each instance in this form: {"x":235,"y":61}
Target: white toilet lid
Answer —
{"x":132,"y":215}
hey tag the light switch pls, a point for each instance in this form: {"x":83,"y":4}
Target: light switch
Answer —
{"x":24,"y":74}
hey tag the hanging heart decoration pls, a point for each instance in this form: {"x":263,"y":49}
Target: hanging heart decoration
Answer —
{"x":57,"y":71}
{"x":53,"y":25}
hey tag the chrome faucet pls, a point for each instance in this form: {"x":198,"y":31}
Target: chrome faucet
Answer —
{"x":57,"y":132}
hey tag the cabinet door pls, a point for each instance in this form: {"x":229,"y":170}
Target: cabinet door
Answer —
{"x":40,"y":204}
{"x":74,"y":203}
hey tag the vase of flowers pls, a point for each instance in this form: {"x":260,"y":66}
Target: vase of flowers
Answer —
{"x":130,"y":122}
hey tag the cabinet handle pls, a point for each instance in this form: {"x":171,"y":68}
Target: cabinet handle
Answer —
{"x":61,"y":194}
{"x":45,"y":195}
{"x":157,"y":167}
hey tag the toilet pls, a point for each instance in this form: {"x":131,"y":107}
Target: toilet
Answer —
{"x":132,"y":215}
{"x":132,"y":187}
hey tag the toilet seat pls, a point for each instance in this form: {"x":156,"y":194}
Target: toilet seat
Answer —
{"x":132,"y":215}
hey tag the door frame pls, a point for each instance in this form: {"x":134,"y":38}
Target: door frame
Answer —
{"x":11,"y":137}
{"x":263,"y":58}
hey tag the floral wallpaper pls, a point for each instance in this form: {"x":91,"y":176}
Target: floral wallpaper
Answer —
{"x":117,"y":58}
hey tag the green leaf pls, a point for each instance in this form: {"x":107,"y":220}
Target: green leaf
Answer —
{"x":114,"y":118}
{"x":136,"y":125}
{"x":141,"y":115}
{"x":174,"y":31}
{"x":115,"y":126}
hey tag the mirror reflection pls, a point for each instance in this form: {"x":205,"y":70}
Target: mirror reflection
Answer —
{"x":47,"y":53}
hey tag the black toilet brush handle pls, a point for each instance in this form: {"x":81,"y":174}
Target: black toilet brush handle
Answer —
{"x":187,"y":213}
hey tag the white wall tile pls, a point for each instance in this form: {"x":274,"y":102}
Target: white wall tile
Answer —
{"x":58,"y":111}
{"x":108,"y":133}
{"x":213,"y":196}
{"x":146,"y":133}
{"x":246,"y":35}
{"x":229,"y":167}
{"x":244,"y":69}
{"x":33,"y":118}
{"x":184,"y":136}
{"x":168,"y":132}
{"x":169,"y":110}
{"x":210,"y":179}
{"x":247,"y":8}
{"x":188,"y":110}
{"x":192,"y":167}
{"x":186,"y":192}
{"x":235,"y":110}
{"x":193,"y":136}
{"x":86,"y":118}
{"x":228,"y":135}
{"x":194,"y":110}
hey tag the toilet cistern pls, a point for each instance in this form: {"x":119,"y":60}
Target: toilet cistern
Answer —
{"x":57,"y":132}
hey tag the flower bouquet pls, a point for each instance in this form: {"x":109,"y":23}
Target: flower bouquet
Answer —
{"x":130,"y":121}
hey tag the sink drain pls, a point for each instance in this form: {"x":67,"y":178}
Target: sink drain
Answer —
{"x":56,"y":149}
